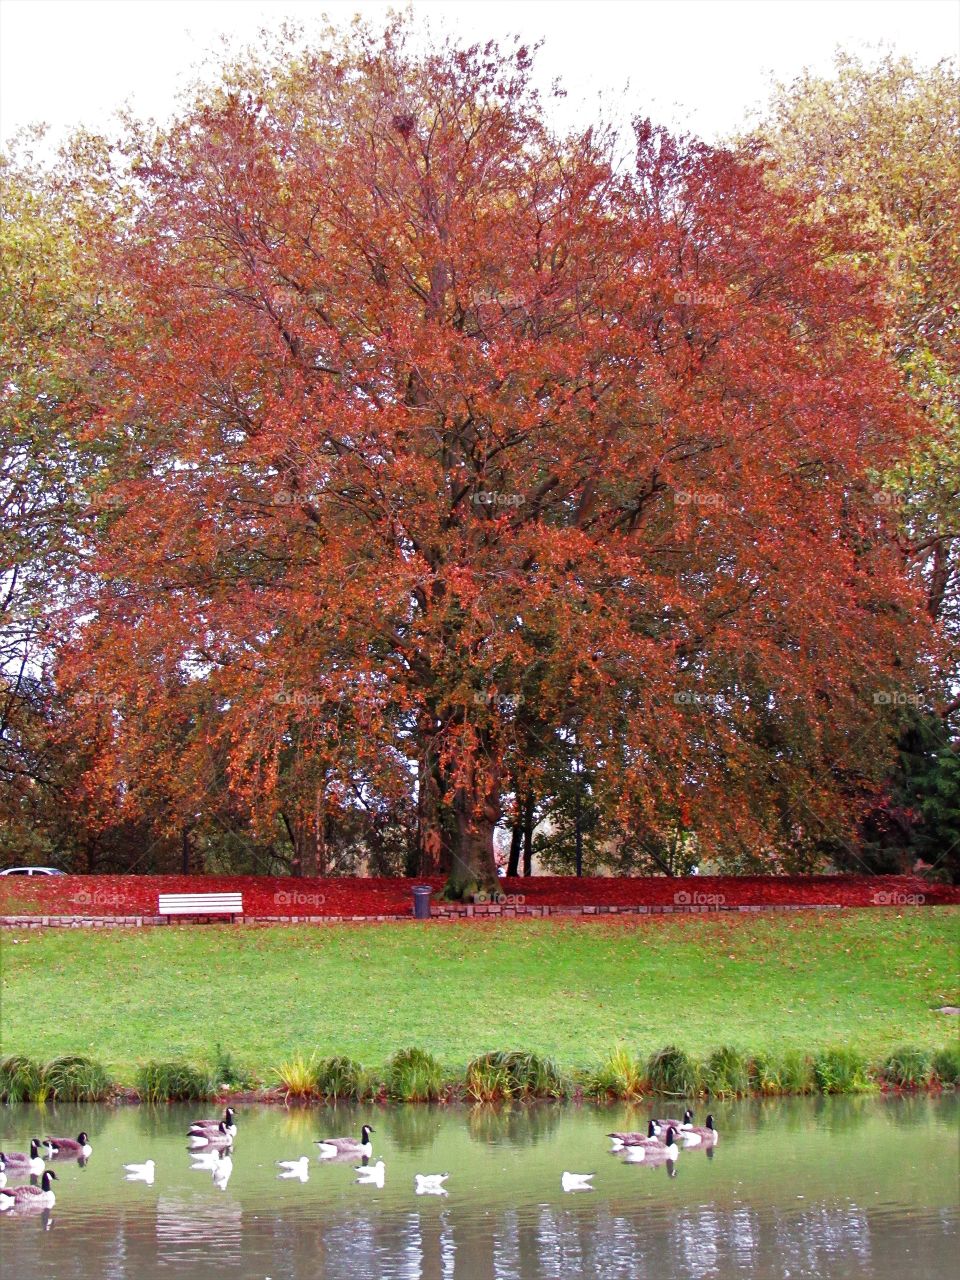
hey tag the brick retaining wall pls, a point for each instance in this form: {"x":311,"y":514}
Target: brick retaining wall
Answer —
{"x":484,"y":911}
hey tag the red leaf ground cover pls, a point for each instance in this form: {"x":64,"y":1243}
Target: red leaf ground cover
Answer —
{"x":354,"y":896}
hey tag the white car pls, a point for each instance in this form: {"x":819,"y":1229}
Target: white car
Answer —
{"x":31,"y":871}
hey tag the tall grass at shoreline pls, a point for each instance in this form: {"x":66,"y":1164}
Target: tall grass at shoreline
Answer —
{"x":413,"y":1075}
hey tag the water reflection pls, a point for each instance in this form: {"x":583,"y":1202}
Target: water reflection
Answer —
{"x":853,"y":1187}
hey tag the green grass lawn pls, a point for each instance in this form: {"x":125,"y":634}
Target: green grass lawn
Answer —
{"x":866,"y":978}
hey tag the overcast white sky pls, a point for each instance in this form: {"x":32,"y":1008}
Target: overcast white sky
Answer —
{"x":700,"y":65}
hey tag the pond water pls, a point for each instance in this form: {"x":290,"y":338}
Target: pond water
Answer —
{"x":852,"y":1187}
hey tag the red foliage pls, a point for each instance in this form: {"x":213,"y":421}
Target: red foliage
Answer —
{"x":352,"y":896}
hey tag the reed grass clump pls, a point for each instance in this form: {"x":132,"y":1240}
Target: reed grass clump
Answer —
{"x":673,"y":1071}
{"x":297,"y":1076}
{"x":174,"y":1080}
{"x":342,"y":1078}
{"x":75,"y":1078}
{"x":498,"y":1075}
{"x":726,"y":1073}
{"x":907,"y":1067}
{"x":619,"y":1076}
{"x":414,"y":1076}
{"x":946,"y":1066}
{"x":796,"y":1072}
{"x":841,"y":1070}
{"x":20,"y":1079}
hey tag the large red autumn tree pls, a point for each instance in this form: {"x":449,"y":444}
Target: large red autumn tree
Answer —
{"x":451,"y":442}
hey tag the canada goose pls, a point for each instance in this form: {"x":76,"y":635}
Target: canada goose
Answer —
{"x":68,"y":1148}
{"x":430,"y":1184}
{"x":219,"y":1137}
{"x":371,"y":1175}
{"x":20,"y":1162}
{"x":200,"y":1127}
{"x":140,"y":1172}
{"x":700,"y":1136}
{"x":295,"y":1168}
{"x":576,"y":1181}
{"x":331,"y":1147}
{"x":679,"y":1125}
{"x":41,"y":1197}
{"x":620,"y":1138}
{"x":653,"y":1152}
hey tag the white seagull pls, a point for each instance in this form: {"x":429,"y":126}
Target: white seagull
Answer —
{"x":576,"y":1181}
{"x":430,"y":1184}
{"x":140,"y":1172}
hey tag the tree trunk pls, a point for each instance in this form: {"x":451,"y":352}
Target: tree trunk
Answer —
{"x":476,"y":811}
{"x":516,"y":843}
{"x":528,"y":834}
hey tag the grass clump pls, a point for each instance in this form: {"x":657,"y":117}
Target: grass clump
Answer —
{"x":671,"y":1070}
{"x":907,"y":1067}
{"x":946,"y":1066}
{"x":174,"y":1080}
{"x":619,"y":1076}
{"x":414,"y":1076}
{"x":796,"y":1072}
{"x":75,"y":1078}
{"x":726,"y":1073}
{"x":228,"y":1073}
{"x":342,"y":1077}
{"x":20,"y":1079}
{"x":841,"y":1070}
{"x":498,"y":1075}
{"x":297,"y":1075}
{"x":765,"y":1074}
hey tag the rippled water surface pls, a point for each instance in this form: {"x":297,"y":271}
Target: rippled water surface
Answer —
{"x":861,"y":1187}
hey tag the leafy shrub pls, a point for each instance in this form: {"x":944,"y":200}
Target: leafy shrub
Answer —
{"x":906,"y":1067}
{"x":670,"y":1070}
{"x":414,"y":1076}
{"x":74,"y":1078}
{"x":342,"y":1077}
{"x":840,"y":1070}
{"x":620,"y":1076}
{"x":513,"y":1075}
{"x":726,"y":1073}
{"x":175,"y":1080}
{"x":946,"y":1066}
{"x":20,"y":1079}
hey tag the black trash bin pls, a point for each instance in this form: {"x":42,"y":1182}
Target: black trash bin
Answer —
{"x":421,"y":901}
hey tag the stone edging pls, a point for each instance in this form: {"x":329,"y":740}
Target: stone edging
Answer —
{"x":478,"y":911}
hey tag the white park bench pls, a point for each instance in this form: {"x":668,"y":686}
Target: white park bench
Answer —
{"x":201,"y":904}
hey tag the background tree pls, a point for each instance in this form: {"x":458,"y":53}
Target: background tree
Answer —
{"x":878,"y":145}
{"x":429,"y":407}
